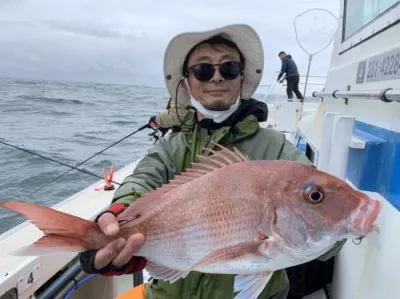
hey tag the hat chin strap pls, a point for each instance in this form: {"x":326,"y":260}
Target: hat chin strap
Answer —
{"x":216,"y":116}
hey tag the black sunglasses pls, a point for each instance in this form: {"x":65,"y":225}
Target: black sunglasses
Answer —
{"x":229,"y":70}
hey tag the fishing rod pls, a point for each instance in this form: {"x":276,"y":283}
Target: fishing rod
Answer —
{"x":92,"y":156}
{"x":151,"y":126}
{"x":50,"y":159}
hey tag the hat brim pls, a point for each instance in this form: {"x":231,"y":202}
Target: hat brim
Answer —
{"x":244,"y":36}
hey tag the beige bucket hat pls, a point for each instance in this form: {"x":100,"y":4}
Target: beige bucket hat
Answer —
{"x":244,"y":36}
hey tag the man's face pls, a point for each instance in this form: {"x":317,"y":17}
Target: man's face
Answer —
{"x":217,"y":93}
{"x":281,"y":56}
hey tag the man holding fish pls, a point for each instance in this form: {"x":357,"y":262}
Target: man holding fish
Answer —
{"x":218,"y":78}
{"x":220,"y":209}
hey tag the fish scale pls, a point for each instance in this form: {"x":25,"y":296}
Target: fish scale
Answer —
{"x":218,"y":227}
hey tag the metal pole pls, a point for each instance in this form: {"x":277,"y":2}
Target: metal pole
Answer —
{"x":309,"y":52}
{"x":308,"y":72}
{"x":61,"y":281}
{"x":385,"y":95}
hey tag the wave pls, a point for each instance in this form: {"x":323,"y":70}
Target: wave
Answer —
{"x":21,"y":109}
{"x":123,"y":123}
{"x":51,"y":100}
{"x":27,"y":82}
{"x":101,"y":132}
{"x":88,"y":138}
{"x":54,"y":113}
{"x":103,"y":164}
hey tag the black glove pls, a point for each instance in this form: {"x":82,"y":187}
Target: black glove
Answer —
{"x":135,"y":264}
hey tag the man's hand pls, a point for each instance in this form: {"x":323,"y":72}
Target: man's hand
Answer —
{"x":120,"y":251}
{"x":117,"y":257}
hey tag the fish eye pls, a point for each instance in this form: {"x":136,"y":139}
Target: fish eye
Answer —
{"x":313,"y":195}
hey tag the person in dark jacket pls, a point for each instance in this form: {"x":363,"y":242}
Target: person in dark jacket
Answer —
{"x":292,"y":75}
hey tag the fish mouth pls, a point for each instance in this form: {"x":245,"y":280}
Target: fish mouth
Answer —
{"x":363,"y":219}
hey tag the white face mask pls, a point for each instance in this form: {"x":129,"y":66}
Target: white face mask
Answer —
{"x":216,"y":116}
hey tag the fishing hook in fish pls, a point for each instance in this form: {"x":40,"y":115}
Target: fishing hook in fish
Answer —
{"x":125,"y":221}
{"x":358,"y":242}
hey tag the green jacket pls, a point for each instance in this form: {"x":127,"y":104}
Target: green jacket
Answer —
{"x":175,"y":153}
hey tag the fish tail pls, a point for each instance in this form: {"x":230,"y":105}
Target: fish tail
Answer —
{"x":64,"y":233}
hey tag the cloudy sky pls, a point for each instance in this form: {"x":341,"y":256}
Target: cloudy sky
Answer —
{"x":122,"y":41}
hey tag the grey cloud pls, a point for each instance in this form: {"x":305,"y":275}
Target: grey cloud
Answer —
{"x":84,"y":29}
{"x":124,"y":41}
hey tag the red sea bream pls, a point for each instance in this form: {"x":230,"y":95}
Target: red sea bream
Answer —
{"x":225,"y":215}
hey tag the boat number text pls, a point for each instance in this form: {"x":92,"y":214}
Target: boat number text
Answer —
{"x":29,"y":278}
{"x":384,"y":67}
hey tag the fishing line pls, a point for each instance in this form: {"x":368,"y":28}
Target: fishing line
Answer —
{"x":91,"y":157}
{"x":50,"y":159}
{"x":270,"y":88}
{"x":77,"y":165}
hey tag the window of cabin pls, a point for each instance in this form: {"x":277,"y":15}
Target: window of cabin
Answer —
{"x":359,"y":13}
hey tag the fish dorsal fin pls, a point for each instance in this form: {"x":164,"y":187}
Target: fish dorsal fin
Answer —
{"x":208,"y":164}
{"x":145,"y":204}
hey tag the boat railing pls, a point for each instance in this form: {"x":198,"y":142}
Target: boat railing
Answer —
{"x":385,"y":95}
{"x":277,"y":91}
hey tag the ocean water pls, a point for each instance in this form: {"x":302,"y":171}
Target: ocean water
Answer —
{"x":67,"y":122}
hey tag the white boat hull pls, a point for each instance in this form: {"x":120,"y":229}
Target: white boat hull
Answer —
{"x":28,"y":274}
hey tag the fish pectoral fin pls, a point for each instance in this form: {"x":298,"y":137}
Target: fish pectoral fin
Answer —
{"x":250,"y":286}
{"x":164,"y":273}
{"x":237,"y":251}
